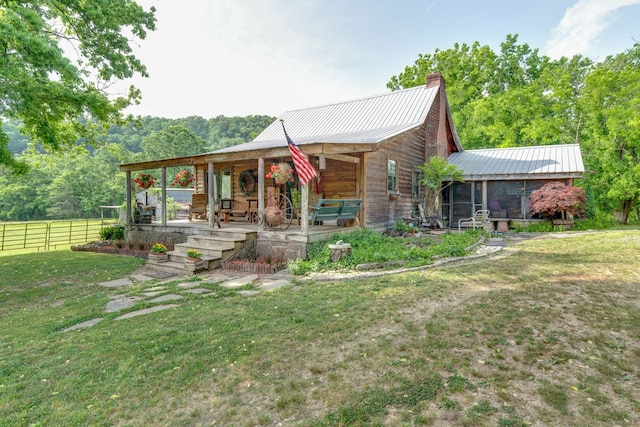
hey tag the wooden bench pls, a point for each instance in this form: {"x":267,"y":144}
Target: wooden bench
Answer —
{"x":338,"y":209}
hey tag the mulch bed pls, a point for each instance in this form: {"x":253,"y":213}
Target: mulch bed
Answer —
{"x":117,"y":247}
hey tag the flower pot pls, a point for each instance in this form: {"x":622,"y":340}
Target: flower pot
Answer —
{"x":158,"y":257}
{"x":194,"y":264}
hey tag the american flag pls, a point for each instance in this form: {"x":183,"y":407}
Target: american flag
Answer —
{"x":305,"y":170}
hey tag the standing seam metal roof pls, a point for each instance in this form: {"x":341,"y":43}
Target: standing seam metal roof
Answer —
{"x":546,"y":159}
{"x":366,"y":120}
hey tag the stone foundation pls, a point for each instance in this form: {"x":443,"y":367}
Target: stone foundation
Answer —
{"x":275,"y":245}
{"x":151,"y":234}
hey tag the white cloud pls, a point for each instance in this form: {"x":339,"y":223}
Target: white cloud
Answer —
{"x":240,"y":57}
{"x":581,"y":24}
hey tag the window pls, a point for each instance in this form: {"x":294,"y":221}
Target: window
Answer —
{"x":416,"y":185}
{"x":223,"y":183}
{"x":391,"y":176}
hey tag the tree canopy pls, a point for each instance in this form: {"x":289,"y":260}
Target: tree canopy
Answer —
{"x":57,"y":97}
{"x":516,"y":97}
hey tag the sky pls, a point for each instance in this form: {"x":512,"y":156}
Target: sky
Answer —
{"x":263,"y":57}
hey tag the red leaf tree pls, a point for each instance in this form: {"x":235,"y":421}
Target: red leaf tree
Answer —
{"x":556,"y":200}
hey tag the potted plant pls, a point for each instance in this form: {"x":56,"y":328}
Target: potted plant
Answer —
{"x":145,"y":180}
{"x":183,"y":178}
{"x":558,"y":202}
{"x":194,"y":260}
{"x":281,"y":173}
{"x":158,"y":253}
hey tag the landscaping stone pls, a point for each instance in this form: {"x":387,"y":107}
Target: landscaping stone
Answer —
{"x":121,"y":304}
{"x":240,"y":281}
{"x":168,"y":297}
{"x":216,"y":277}
{"x":117,"y":283}
{"x":147,"y":311}
{"x":197,"y":291}
{"x":83,"y":325}
{"x":154,"y":293}
{"x":189,"y":285}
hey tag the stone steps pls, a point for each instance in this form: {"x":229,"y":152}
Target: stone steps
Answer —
{"x":216,"y":246}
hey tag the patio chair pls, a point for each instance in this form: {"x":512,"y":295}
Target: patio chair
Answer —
{"x":198,"y":207}
{"x":479,"y":219}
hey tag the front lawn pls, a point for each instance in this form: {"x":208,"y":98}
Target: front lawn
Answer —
{"x":544,"y":334}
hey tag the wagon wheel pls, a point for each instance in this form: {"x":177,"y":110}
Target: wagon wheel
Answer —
{"x":285,"y":208}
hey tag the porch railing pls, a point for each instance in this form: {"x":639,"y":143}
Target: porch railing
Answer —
{"x":43,"y":236}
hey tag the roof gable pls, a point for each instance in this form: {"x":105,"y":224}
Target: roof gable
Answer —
{"x":545,"y":161}
{"x":366,"y":120}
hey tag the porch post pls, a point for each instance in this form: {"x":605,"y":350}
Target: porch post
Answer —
{"x":304,"y":207}
{"x":164,"y":196}
{"x":211,"y":197}
{"x":129,"y":220}
{"x":261,"y":191}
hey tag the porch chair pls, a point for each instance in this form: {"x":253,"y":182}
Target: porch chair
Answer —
{"x":198,"y":207}
{"x":479,"y":219}
{"x":423,"y":221}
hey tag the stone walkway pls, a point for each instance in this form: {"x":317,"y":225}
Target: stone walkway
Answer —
{"x":159,"y":293}
{"x":165,"y":299}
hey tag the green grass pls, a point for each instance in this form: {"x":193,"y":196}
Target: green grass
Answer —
{"x":546,"y":335}
{"x":24,"y":237}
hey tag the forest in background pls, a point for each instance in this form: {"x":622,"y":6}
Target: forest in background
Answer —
{"x":75,"y":183}
{"x":510,"y":98}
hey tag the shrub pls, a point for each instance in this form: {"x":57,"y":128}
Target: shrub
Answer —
{"x":112,"y":232}
{"x":557,"y":200}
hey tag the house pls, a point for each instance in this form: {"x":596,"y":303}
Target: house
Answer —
{"x":367,"y":150}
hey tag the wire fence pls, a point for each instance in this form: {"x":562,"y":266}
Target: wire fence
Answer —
{"x":44,"y":236}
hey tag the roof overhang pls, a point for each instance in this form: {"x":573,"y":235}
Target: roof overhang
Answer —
{"x":336,"y":151}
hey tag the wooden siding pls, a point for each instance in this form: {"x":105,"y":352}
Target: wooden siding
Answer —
{"x":339,"y":180}
{"x":408,"y":151}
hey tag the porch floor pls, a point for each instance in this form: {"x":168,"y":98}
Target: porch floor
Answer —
{"x":315,"y":232}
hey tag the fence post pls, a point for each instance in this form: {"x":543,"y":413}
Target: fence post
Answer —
{"x":24,"y":240}
{"x":4,"y":230}
{"x":47,"y":236}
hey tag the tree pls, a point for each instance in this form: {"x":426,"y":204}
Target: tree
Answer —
{"x":611,"y":105}
{"x":172,"y":141}
{"x":512,"y":98}
{"x":434,"y":176}
{"x":60,"y":99}
{"x":556,"y":200}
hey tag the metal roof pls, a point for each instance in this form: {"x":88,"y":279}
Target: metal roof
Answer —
{"x":556,"y":161}
{"x":367,"y":120}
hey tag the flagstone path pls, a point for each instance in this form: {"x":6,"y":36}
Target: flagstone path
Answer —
{"x":160,"y":294}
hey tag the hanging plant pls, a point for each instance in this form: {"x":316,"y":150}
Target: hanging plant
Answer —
{"x":183,"y":179}
{"x":281,"y":173}
{"x":145,"y":180}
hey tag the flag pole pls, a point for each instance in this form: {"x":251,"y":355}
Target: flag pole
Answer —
{"x":298,"y":157}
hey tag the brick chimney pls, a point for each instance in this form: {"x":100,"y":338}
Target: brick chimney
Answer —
{"x":435,"y":79}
